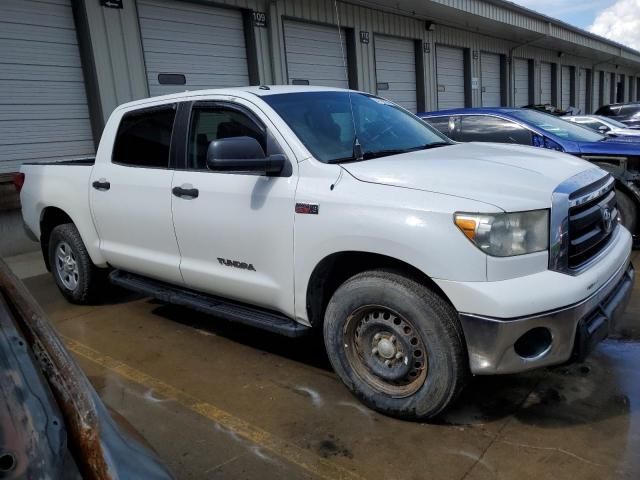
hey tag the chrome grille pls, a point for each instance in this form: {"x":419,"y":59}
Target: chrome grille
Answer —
{"x":590,"y":226}
{"x":583,"y":220}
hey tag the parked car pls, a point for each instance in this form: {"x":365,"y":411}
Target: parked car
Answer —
{"x":52,"y":422}
{"x":548,"y":108}
{"x":620,"y":156}
{"x":627,"y":113}
{"x":298,"y":209}
{"x":604,"y":125}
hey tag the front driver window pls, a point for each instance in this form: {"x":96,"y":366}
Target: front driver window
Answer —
{"x":214,"y":123}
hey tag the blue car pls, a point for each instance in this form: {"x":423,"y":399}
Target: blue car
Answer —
{"x":618,"y":155}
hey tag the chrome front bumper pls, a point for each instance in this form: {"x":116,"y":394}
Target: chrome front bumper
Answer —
{"x":573,"y":329}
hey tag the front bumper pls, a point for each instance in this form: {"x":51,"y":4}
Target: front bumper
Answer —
{"x":566,"y":332}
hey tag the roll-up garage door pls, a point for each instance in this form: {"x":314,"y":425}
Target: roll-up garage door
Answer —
{"x":596,"y":90}
{"x":396,"y":70}
{"x":315,"y":55}
{"x":521,"y":80}
{"x":43,"y":105}
{"x":491,"y":81}
{"x":450,"y":77}
{"x":202,"y":43}
{"x":565,"y":87}
{"x":582,"y":90}
{"x":545,"y":83}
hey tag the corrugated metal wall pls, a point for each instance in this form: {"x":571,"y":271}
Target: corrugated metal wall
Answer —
{"x":115,"y":38}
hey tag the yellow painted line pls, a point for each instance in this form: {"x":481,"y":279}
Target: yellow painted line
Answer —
{"x":306,"y":459}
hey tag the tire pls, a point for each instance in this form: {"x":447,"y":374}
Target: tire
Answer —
{"x":432,"y":367}
{"x":79,"y":280}
{"x":628,"y":211}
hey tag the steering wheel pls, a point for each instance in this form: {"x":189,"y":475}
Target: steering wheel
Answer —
{"x":379,"y":134}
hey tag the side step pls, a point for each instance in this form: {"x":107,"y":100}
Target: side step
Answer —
{"x":237,"y":312}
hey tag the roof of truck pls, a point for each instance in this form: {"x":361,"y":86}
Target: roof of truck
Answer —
{"x":260,"y":91}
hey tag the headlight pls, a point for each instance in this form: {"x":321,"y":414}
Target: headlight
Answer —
{"x":506,"y":234}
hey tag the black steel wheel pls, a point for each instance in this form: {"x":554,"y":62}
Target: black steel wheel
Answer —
{"x":396,"y":344}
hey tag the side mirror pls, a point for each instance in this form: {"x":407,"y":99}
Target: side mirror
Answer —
{"x":242,"y":155}
{"x":603,"y":129}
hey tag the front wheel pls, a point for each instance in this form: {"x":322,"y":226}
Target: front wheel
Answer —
{"x":396,"y":344}
{"x":627,"y":210}
{"x":78,"y":279}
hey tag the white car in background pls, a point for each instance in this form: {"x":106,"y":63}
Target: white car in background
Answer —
{"x":604,"y":125}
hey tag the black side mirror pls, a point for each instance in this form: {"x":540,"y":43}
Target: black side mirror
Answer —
{"x":243,"y":155}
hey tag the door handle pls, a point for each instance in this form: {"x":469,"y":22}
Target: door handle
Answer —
{"x":186,"y":192}
{"x":102,"y":185}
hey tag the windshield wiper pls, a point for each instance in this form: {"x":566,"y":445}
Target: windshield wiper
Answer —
{"x":384,"y":153}
{"x":397,"y":151}
{"x":358,"y":155}
{"x":434,"y":145}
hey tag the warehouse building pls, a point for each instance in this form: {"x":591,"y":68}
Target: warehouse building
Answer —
{"x":65,"y":64}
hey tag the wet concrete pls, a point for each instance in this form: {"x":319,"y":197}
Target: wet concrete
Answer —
{"x":577,"y":421}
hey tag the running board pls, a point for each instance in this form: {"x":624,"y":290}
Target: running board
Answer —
{"x":233,"y":311}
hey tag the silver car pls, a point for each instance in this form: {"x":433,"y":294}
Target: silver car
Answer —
{"x":604,"y":125}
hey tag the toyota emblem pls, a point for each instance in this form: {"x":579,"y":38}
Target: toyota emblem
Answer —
{"x":607,"y":219}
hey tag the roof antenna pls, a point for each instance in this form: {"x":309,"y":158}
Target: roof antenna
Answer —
{"x":357,"y":148}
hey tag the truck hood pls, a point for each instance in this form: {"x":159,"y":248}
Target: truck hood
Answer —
{"x":510,"y":177}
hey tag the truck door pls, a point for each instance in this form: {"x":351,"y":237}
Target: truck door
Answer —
{"x":235,"y":230}
{"x":130,"y":189}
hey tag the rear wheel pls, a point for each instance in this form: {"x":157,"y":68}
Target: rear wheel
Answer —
{"x":79,"y":280}
{"x":628,"y":211}
{"x":397,"y":345}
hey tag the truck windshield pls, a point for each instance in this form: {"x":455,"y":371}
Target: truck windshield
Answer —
{"x":558,"y":127}
{"x":323,"y":122}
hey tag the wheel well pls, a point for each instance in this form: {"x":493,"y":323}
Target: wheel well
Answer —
{"x":51,"y":217}
{"x":633,"y":195}
{"x":335,"y":269}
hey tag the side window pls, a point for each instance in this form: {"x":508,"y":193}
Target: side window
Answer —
{"x":144,"y":138}
{"x":439,"y":123}
{"x":477,"y":128}
{"x":214,"y":123}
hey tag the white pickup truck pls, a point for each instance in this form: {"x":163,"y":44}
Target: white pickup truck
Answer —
{"x":298,"y":208}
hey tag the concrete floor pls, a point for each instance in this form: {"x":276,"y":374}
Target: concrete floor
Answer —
{"x":218,"y":400}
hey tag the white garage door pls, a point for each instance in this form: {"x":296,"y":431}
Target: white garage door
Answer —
{"x":396,"y":70}
{"x":596,"y":91}
{"x":491,"y":81}
{"x":450,"y":77}
{"x":315,"y":55}
{"x":545,"y":83}
{"x":565,"y":87}
{"x":43,"y":104}
{"x":205,"y":44}
{"x":521,"y":79}
{"x":582,"y":90}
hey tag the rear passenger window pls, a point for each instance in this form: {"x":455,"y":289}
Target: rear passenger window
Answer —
{"x":439,"y":123}
{"x":144,"y":138}
{"x":477,"y":128}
